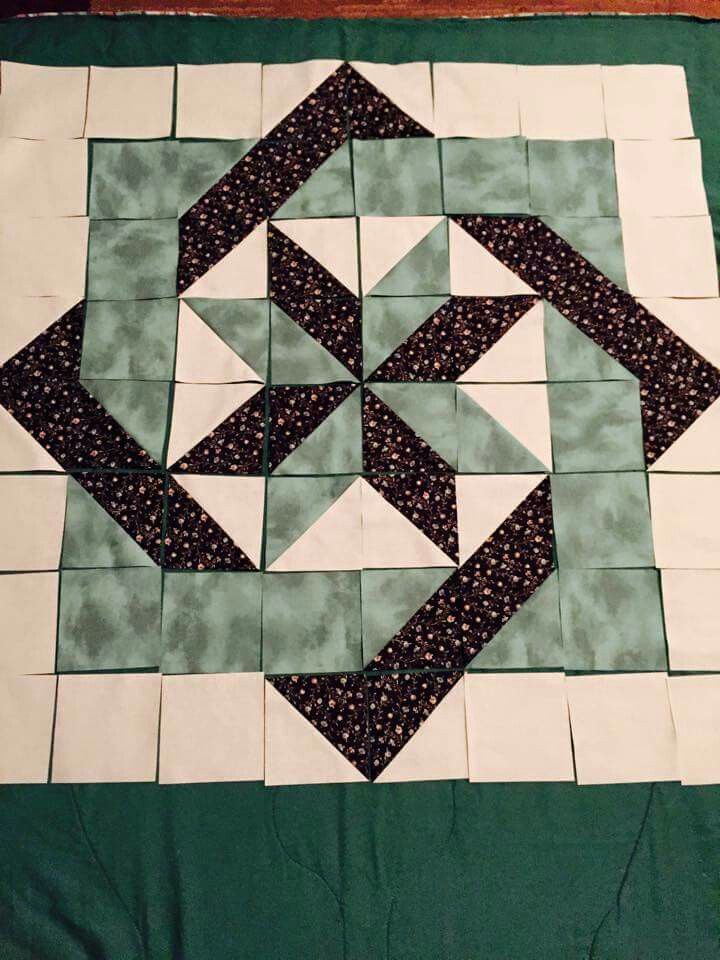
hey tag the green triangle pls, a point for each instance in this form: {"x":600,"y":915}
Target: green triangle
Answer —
{"x":531,"y":638}
{"x":299,"y":358}
{"x":388,"y":321}
{"x":429,"y":408}
{"x":327,"y":193}
{"x":293,"y":505}
{"x":201,"y":163}
{"x":571,"y":355}
{"x":92,"y":538}
{"x":243,"y":325}
{"x":139,"y":406}
{"x":333,"y":447}
{"x":425,"y":270}
{"x":485,"y":446}
{"x":390,"y":598}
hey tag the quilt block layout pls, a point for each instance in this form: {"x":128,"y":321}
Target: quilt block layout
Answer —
{"x":357,"y":422}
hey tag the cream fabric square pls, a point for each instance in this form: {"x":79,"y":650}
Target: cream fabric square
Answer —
{"x":26,"y":721}
{"x":660,"y":178}
{"x":518,"y":727}
{"x":691,"y":602}
{"x":646,"y":102}
{"x":670,"y":256}
{"x":24,"y":318}
{"x":130,"y":102}
{"x":212,"y":728}
{"x":685,"y":510}
{"x":29,"y":603}
{"x":622,"y":728}
{"x":42,"y":102}
{"x":32,"y":517}
{"x":695,"y":705}
{"x":561,"y":102}
{"x":107,"y":728}
{"x":476,"y":100}
{"x":219,"y":100}
{"x":43,"y":257}
{"x":43,"y":178}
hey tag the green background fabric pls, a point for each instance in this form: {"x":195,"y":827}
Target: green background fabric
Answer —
{"x":446,"y":871}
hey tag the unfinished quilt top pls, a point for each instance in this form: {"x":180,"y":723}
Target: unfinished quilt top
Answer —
{"x":358,"y":422}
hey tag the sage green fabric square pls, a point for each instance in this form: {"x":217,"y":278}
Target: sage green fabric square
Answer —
{"x":134,"y":180}
{"x":596,"y":426}
{"x":612,"y":620}
{"x":132,"y":259}
{"x":129,"y":339}
{"x":598,"y":239}
{"x":311,"y":622}
{"x":397,"y":178}
{"x":109,"y":619}
{"x":572,"y":178}
{"x":602,"y":520}
{"x":485,"y":176}
{"x":211,"y":622}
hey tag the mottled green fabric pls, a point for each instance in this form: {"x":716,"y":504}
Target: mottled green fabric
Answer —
{"x":201,"y":163}
{"x":294,"y":504}
{"x":598,"y":239}
{"x":92,"y":538}
{"x":134,"y":180}
{"x":427,"y":408}
{"x":602,"y":520}
{"x":425,"y":270}
{"x":397,"y":178}
{"x":109,"y":619}
{"x":389,"y":321}
{"x":297,"y":357}
{"x":485,"y":176}
{"x":132,"y":259}
{"x":572,"y":178}
{"x":333,"y":447}
{"x":327,"y":193}
{"x":311,"y":622}
{"x":612,"y":620}
{"x":244,"y":325}
{"x":389,"y":599}
{"x":570,"y":355}
{"x":140,"y":406}
{"x":486,"y":446}
{"x":129,"y":339}
{"x":596,"y":426}
{"x":211,"y":622}
{"x":531,"y":638}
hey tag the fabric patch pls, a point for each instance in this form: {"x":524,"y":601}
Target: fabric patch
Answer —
{"x":211,"y":622}
{"x":311,"y":622}
{"x":109,"y":619}
{"x":485,"y":176}
{"x":336,"y":705}
{"x":379,"y":192}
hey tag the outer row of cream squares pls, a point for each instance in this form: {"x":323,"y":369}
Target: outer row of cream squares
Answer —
{"x":450,"y":99}
{"x":489,"y":728}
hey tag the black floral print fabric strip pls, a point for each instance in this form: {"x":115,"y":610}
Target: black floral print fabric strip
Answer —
{"x":676,"y":383}
{"x":454,"y":338}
